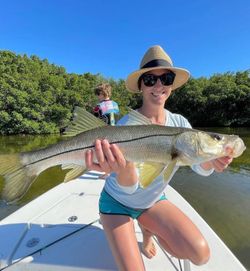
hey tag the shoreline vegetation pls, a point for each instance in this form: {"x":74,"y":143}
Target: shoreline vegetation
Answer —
{"x":37,"y":97}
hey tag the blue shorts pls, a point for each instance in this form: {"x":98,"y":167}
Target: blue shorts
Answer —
{"x":110,"y":206}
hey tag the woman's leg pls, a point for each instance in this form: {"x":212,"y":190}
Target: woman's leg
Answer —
{"x":120,"y":233}
{"x":176,"y":232}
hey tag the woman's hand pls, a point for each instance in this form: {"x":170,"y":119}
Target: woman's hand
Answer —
{"x":111,"y":159}
{"x":219,"y":164}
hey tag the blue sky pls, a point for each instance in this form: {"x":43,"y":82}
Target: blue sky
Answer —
{"x":110,"y":36}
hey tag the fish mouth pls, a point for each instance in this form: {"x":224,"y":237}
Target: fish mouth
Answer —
{"x":237,"y":149}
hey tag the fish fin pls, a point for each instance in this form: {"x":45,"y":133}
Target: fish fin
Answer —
{"x":136,"y":118}
{"x":74,"y":173}
{"x":17,"y":179}
{"x":67,"y":166}
{"x":148,"y":172}
{"x":169,"y":170}
{"x":82,"y":121}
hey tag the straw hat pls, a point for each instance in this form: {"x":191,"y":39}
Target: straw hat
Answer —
{"x":156,"y":58}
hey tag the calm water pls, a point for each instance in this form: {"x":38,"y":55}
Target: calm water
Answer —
{"x":222,"y":199}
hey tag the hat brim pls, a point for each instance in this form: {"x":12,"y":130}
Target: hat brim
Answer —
{"x":181,"y":77}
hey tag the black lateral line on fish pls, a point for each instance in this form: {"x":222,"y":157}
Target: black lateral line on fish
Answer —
{"x":92,"y":146}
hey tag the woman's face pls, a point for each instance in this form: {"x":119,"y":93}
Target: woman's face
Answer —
{"x":158,"y":93}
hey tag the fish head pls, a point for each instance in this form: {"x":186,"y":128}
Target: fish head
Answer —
{"x":198,"y":146}
{"x":231,"y":145}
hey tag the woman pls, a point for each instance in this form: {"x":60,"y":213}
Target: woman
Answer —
{"x":177,"y":234}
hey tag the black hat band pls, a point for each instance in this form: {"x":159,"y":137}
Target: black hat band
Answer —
{"x":156,"y":63}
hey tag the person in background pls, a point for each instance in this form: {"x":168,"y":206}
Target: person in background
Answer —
{"x":106,"y":109}
{"x":122,"y":198}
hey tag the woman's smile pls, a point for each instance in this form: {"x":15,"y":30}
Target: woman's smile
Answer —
{"x":158,"y":94}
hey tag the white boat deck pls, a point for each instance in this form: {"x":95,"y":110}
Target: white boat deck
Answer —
{"x":60,"y":230}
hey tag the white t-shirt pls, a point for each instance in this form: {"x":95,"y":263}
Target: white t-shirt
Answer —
{"x":143,"y":198}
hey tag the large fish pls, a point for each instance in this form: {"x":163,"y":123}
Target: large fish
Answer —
{"x":155,"y":149}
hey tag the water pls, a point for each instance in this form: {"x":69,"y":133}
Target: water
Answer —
{"x":221,"y":199}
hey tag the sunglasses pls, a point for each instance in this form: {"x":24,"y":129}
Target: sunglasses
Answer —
{"x":149,"y":80}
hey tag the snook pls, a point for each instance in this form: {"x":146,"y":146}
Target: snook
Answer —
{"x":153,"y":148}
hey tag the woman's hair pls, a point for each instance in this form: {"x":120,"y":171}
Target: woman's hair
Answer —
{"x":104,"y":89}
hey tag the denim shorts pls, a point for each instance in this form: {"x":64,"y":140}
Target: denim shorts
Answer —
{"x":110,"y":206}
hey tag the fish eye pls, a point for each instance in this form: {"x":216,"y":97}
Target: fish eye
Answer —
{"x":216,"y":137}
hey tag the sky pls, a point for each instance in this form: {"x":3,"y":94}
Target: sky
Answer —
{"x":110,"y":37}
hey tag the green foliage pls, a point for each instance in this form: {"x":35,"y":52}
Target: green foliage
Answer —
{"x":221,"y":100}
{"x":37,"y":97}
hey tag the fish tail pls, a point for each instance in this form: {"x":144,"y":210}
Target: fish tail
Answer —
{"x":16,"y":178}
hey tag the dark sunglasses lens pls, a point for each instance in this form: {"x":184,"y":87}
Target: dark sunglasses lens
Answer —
{"x":149,"y":80}
{"x":167,"y":79}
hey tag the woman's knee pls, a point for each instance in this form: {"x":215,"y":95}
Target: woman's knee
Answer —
{"x":201,"y":252}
